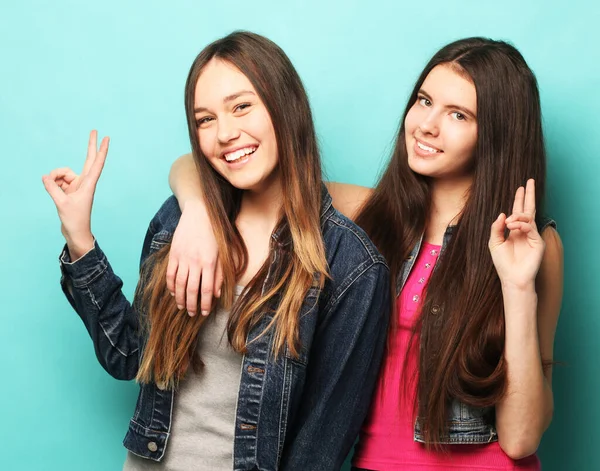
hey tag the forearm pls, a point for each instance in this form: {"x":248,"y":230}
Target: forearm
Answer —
{"x":95,"y":292}
{"x":526,"y":410}
{"x":79,"y":244}
{"x":184,"y":181}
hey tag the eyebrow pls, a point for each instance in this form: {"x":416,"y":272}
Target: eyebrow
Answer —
{"x":454,"y":107}
{"x":228,"y":98}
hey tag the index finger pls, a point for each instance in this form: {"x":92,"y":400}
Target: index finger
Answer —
{"x":529,"y":205}
{"x":91,"y":152}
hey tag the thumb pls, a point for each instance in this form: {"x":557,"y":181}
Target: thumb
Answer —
{"x":57,"y":195}
{"x":497,"y":231}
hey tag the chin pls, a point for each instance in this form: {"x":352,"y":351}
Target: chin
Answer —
{"x":422,"y":168}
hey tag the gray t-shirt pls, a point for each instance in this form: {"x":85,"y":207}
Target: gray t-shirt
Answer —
{"x":203,"y":426}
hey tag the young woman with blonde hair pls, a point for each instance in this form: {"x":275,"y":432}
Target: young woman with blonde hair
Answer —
{"x":258,"y":382}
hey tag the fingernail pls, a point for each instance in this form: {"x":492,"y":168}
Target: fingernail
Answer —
{"x":219,"y":293}
{"x":205,"y":313}
{"x":179,"y":307}
{"x":191,"y":314}
{"x":172,"y":294}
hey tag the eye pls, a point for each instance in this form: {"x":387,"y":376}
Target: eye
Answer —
{"x":457,"y":115}
{"x":241,"y":107}
{"x":204,"y":120}
{"x":424,"y":101}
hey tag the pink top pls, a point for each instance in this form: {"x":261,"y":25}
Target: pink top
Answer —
{"x":387,"y":436}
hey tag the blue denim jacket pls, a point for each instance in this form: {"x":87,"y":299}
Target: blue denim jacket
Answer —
{"x":466,"y":424}
{"x":292,"y":413}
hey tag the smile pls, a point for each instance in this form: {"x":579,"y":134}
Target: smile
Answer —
{"x":236,"y":155}
{"x":426,"y":148}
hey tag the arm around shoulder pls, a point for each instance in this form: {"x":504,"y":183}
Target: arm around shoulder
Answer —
{"x":348,"y":199}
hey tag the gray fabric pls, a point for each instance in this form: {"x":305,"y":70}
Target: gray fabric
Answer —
{"x":203,"y":426}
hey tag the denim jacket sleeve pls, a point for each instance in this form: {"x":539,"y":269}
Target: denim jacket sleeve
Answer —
{"x":341,"y":374}
{"x":95,"y":292}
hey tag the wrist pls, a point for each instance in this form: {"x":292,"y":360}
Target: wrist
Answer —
{"x":195,"y":205}
{"x":518,"y":287}
{"x":79,"y":245}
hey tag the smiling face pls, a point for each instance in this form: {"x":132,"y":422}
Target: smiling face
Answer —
{"x":235,"y":131}
{"x":441,"y":126}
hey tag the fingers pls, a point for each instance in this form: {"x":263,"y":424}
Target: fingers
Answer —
{"x":206,"y":291}
{"x":57,"y":195}
{"x":497,"y":232}
{"x":218,"y":279}
{"x":529,"y":204}
{"x":523,"y":227}
{"x":63,"y":177}
{"x":193,"y":285}
{"x":64,"y":173}
{"x":171,"y":273}
{"x":91,"y":152}
{"x":180,"y":285}
{"x":519,"y":200}
{"x":98,"y":164}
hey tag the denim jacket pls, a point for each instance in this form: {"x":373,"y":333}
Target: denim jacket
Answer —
{"x":466,"y":424}
{"x":292,"y":413}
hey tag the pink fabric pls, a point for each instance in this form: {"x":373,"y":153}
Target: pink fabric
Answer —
{"x":386,"y":439}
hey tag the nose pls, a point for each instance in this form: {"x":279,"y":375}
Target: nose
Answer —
{"x":227,"y":129}
{"x":430,"y":124}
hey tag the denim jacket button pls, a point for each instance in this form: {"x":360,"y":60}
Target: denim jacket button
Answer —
{"x":152,"y":446}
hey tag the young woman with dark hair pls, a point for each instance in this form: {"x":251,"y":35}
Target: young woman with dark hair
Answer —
{"x":466,"y":382}
{"x":298,"y":334}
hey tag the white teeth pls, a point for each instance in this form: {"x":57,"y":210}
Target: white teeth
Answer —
{"x":426,"y":148}
{"x":239,"y":153}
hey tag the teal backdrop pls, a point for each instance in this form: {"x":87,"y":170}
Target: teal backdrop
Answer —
{"x":120,"y":67}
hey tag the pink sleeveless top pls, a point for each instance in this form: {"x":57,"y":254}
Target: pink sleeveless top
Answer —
{"x":387,"y":437}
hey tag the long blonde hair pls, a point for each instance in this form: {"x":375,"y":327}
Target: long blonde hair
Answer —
{"x":297,"y":255}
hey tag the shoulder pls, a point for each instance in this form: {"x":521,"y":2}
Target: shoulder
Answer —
{"x":348,"y":199}
{"x":166,"y":219}
{"x":348,"y":249}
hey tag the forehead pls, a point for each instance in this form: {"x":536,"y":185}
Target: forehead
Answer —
{"x":445,"y":85}
{"x":219,"y":79}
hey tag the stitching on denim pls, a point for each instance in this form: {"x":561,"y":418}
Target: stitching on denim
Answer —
{"x":148,"y":429}
{"x":282,"y":425}
{"x":336,"y":297}
{"x":113,"y":344}
{"x":370,"y":249}
{"x":97,"y":272}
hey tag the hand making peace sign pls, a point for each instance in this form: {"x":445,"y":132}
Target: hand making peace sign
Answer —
{"x":517,"y":258}
{"x":73,"y":196}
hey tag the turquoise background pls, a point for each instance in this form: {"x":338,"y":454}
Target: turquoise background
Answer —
{"x":120,"y":67}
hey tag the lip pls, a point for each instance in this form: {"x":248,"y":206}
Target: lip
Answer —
{"x":234,"y":149}
{"x":238,"y":164}
{"x":423,"y":153}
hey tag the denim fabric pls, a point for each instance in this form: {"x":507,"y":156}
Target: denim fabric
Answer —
{"x":292,"y":413}
{"x":466,"y":424}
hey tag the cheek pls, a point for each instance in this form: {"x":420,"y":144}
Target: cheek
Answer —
{"x":207,"y":142}
{"x":466,"y":142}
{"x":411,"y":121}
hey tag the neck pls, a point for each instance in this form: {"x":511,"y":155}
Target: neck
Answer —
{"x":448,"y":199}
{"x":259,"y":213}
{"x":261,"y":208}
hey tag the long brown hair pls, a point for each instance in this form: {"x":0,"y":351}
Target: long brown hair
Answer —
{"x":297,"y":255}
{"x":461,"y":324}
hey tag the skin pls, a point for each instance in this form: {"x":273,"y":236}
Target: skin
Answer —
{"x":529,"y":265}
